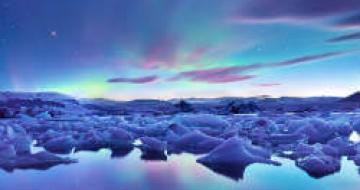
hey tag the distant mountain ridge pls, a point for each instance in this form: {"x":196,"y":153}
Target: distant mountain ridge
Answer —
{"x":57,"y":104}
{"x":38,"y":104}
{"x":50,"y":96}
{"x":353,"y":98}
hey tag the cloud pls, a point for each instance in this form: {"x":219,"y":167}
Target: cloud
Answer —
{"x":270,"y":10}
{"x":161,"y":53}
{"x":239,"y":73}
{"x":140,"y":80}
{"x":268,"y":84}
{"x":217,"y":75}
{"x":197,"y":54}
{"x":348,"y":37}
{"x":350,"y":21}
{"x":305,"y":59}
{"x":225,"y":79}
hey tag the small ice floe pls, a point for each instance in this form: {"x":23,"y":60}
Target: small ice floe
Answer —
{"x":91,"y":141}
{"x":319,"y":165}
{"x":320,"y":160}
{"x":119,"y":138}
{"x":60,"y":145}
{"x":152,"y":149}
{"x":151,"y":144}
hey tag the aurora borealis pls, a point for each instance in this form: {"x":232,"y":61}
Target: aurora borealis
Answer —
{"x":128,"y":49}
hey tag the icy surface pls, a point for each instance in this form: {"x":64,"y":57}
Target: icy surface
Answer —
{"x":229,"y":142}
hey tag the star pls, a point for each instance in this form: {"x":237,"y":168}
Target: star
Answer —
{"x":53,"y":34}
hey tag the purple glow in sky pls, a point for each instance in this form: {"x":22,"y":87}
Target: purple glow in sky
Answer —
{"x":170,"y":48}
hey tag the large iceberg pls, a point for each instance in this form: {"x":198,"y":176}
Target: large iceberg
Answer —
{"x":234,"y":155}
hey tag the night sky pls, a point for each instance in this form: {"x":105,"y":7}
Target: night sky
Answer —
{"x":128,"y":49}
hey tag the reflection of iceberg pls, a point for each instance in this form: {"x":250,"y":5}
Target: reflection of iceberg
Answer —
{"x":233,"y":172}
{"x":120,"y":153}
{"x":153,"y":156}
{"x":39,"y":161}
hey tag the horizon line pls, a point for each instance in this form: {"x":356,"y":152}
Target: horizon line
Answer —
{"x":180,"y":98}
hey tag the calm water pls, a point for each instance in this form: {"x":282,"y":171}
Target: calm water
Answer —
{"x":96,"y":171}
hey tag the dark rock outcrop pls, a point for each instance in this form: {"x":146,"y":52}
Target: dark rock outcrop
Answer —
{"x":184,"y":106}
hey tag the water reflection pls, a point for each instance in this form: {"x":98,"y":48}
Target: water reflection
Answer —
{"x":153,"y":156}
{"x":120,"y":153}
{"x":96,"y":171}
{"x":235,"y":172}
{"x":37,"y":161}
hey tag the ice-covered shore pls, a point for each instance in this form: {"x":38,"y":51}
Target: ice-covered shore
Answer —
{"x":226,"y":142}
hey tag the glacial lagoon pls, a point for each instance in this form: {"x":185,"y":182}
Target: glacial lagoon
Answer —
{"x":98,"y":171}
{"x":56,"y":143}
